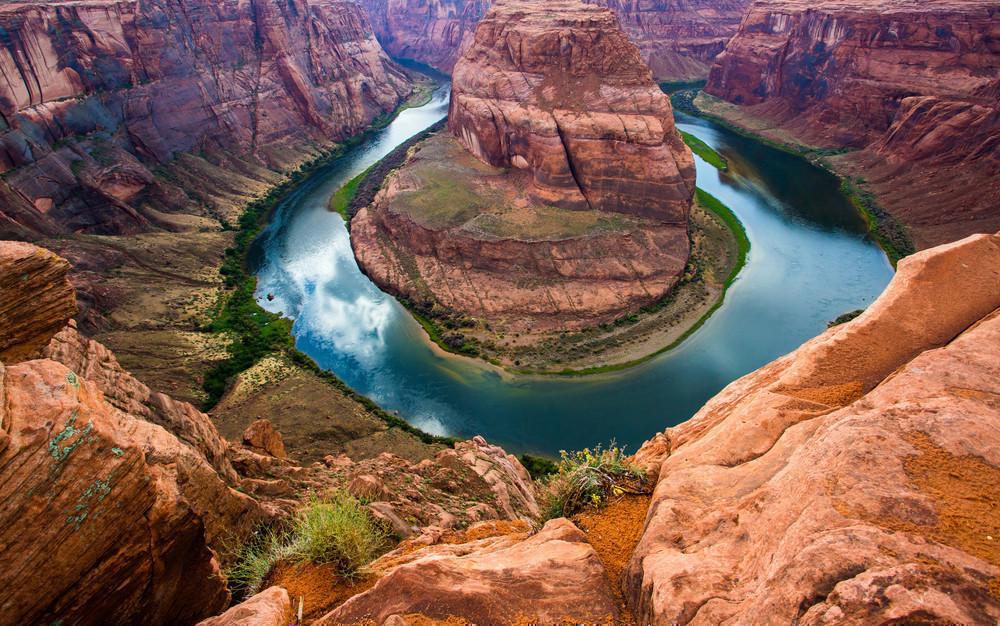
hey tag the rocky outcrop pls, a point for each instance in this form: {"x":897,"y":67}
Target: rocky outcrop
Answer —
{"x":913,"y":84}
{"x":125,"y":515}
{"x":551,"y":577}
{"x":557,"y":90}
{"x":678,"y":40}
{"x":37,"y":299}
{"x":853,"y":480}
{"x":581,"y":211}
{"x":270,"y":607}
{"x":95,"y":94}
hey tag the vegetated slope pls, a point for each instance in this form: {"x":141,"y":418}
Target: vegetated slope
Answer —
{"x":99,"y":97}
{"x":912,"y":86}
{"x":678,"y":40}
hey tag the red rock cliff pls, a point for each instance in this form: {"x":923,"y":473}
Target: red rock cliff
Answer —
{"x":556,"y":89}
{"x":94,"y":92}
{"x":678,"y":39}
{"x":915,"y":83}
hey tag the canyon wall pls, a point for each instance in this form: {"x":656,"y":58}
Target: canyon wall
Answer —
{"x":96,"y":95}
{"x":678,"y":39}
{"x":116,"y":501}
{"x":913,"y":86}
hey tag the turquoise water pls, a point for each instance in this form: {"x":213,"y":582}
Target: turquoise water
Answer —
{"x":810,"y":261}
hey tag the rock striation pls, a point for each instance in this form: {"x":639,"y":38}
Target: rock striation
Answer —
{"x":434,"y":32}
{"x":914,"y":85}
{"x":577,"y":207}
{"x":853,"y":480}
{"x":557,"y":90}
{"x":124,"y":495}
{"x":95,"y":94}
{"x":678,"y":40}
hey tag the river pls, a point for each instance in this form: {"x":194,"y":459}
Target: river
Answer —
{"x":810,"y":260}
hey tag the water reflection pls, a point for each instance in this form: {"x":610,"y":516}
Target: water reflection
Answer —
{"x":810,"y":261}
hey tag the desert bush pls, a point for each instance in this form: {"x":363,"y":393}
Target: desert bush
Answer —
{"x":590,"y":478}
{"x":336,"y":531}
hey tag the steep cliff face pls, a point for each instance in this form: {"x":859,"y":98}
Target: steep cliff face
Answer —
{"x":95,"y":94}
{"x":678,"y":39}
{"x":115,"y":499}
{"x":434,"y":32}
{"x":851,"y":481}
{"x":557,"y":90}
{"x":915,"y":84}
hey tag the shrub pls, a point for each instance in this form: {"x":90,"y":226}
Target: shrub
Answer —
{"x":254,"y":560}
{"x":538,"y":467}
{"x":336,"y":531}
{"x":588,"y":478}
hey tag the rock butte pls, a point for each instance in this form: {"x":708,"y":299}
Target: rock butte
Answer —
{"x":96,"y":94}
{"x":914,"y":85}
{"x":677,"y":39}
{"x":555,"y":93}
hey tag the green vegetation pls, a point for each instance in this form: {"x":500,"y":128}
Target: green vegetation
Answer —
{"x":336,"y":530}
{"x":538,"y":467}
{"x":671,"y":87}
{"x":587,"y":478}
{"x":844,"y":318}
{"x":705,"y":151}
{"x":342,"y":198}
{"x":884,"y":227}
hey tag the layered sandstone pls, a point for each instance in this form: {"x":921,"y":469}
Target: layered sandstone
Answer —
{"x":115,"y":500}
{"x":434,"y":32}
{"x":912,"y":84}
{"x":578,"y":210}
{"x":557,"y":90}
{"x":851,"y":481}
{"x":97,"y":93}
{"x":678,"y":40}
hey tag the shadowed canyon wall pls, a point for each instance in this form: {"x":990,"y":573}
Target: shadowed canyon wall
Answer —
{"x":678,"y":39}
{"x":97,"y":95}
{"x":913,"y":86}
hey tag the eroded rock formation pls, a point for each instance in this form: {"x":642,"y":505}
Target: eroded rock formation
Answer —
{"x":913,"y":84}
{"x":853,"y":480}
{"x":95,"y":94}
{"x":114,"y":499}
{"x":581,"y":211}
{"x":678,"y":40}
{"x":557,"y":90}
{"x":547,"y":578}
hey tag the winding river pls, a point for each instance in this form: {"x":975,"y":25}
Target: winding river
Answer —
{"x":810,"y":260}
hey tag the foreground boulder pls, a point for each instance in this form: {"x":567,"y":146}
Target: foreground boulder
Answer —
{"x":551,"y":577}
{"x":270,"y":607}
{"x":854,"y":480}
